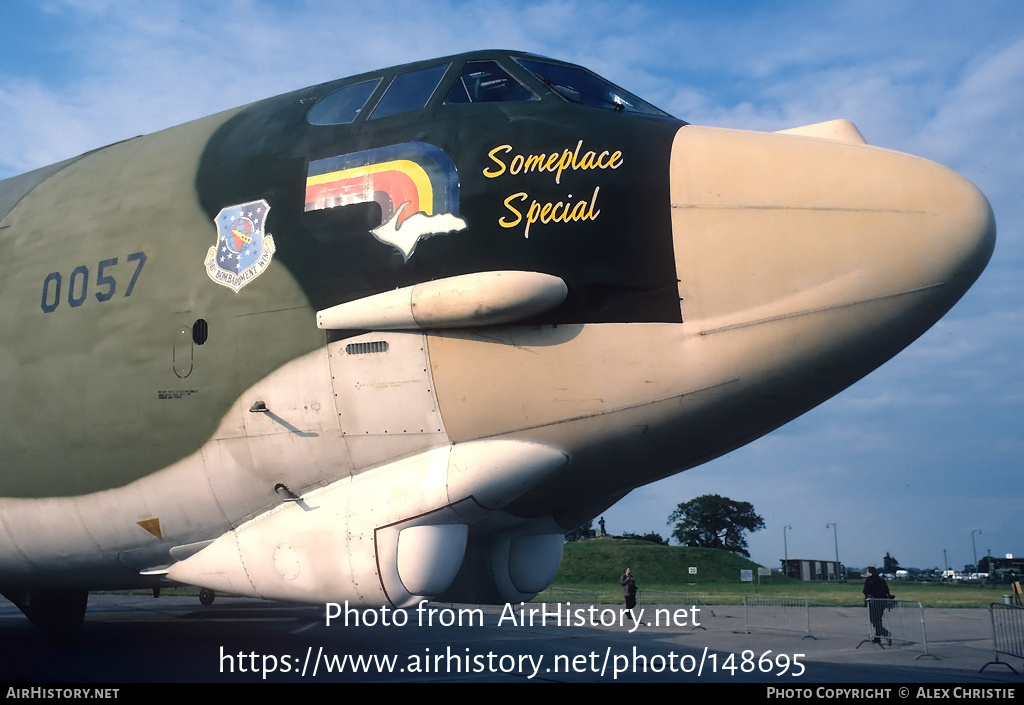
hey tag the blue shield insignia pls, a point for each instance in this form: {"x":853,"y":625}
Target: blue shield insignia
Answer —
{"x":243,"y":248}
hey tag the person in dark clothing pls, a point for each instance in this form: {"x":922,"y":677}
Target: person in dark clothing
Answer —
{"x":876,"y":590}
{"x":629,"y":591}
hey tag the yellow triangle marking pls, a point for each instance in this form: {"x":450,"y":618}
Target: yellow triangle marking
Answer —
{"x":152,"y":526}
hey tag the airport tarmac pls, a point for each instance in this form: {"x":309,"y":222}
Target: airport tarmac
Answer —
{"x":138,"y":639}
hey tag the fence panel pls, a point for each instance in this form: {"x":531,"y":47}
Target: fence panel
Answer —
{"x":787,"y":614}
{"x":897,"y":621}
{"x":672,"y":598}
{"x":1007,"y":633}
{"x":576,"y":597}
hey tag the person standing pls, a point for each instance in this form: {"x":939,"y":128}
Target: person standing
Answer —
{"x":629,"y":592}
{"x":876,"y":590}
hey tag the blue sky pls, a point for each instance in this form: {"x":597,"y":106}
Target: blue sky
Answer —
{"x":909,"y":460}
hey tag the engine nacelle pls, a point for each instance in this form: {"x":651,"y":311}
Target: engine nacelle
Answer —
{"x":393,"y":535}
{"x":507,"y":567}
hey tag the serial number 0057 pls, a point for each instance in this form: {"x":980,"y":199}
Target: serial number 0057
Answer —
{"x":78,"y":283}
{"x":749,"y":663}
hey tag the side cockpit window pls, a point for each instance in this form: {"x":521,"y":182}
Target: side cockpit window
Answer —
{"x":409,"y":91}
{"x":577,"y":85}
{"x":487,"y":82}
{"x":343,"y":105}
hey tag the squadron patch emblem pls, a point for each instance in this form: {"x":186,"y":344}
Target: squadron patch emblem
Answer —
{"x":243,"y":250}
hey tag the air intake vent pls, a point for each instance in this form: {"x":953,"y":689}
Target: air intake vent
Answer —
{"x":377,"y":346}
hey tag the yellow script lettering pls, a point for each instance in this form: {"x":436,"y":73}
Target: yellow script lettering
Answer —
{"x":554,"y":163}
{"x":557,"y":212}
{"x":519,"y":216}
{"x":491,"y":174}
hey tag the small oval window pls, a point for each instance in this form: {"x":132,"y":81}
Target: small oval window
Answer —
{"x":200,"y":331}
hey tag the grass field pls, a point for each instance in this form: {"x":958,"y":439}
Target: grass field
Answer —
{"x":596,"y":565}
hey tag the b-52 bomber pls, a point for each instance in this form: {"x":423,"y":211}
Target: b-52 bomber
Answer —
{"x":388,"y":338}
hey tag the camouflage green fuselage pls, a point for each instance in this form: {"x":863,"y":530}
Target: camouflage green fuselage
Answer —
{"x":106,"y":275}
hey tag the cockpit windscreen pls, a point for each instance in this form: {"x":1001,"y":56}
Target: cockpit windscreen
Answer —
{"x":577,"y":85}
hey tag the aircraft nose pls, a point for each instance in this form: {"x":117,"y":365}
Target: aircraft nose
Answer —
{"x":951,"y":232}
{"x":965,"y":233}
{"x":773,"y":225}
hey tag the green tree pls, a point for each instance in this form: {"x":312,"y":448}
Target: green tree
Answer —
{"x":889,"y":564}
{"x":713,"y":521}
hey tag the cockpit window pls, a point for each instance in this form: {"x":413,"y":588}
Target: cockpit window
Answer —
{"x":409,"y":91}
{"x":487,"y":82}
{"x":577,"y":85}
{"x":343,"y":105}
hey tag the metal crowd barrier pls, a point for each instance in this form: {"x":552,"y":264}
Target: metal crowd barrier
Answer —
{"x":576,"y":597}
{"x":896,"y":620}
{"x":1007,"y":633}
{"x":787,"y":614}
{"x":672,"y":598}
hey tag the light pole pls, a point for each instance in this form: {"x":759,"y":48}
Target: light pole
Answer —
{"x":785,"y":551}
{"x":945,"y":561}
{"x":975,"y":548}
{"x":835,"y":537}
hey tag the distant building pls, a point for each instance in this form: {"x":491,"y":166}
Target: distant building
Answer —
{"x":1002,"y":570}
{"x":803,"y":569}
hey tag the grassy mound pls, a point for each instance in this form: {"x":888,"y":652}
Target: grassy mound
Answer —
{"x":603,"y":560}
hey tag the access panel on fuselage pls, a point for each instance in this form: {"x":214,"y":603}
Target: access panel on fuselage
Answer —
{"x":384,"y":395}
